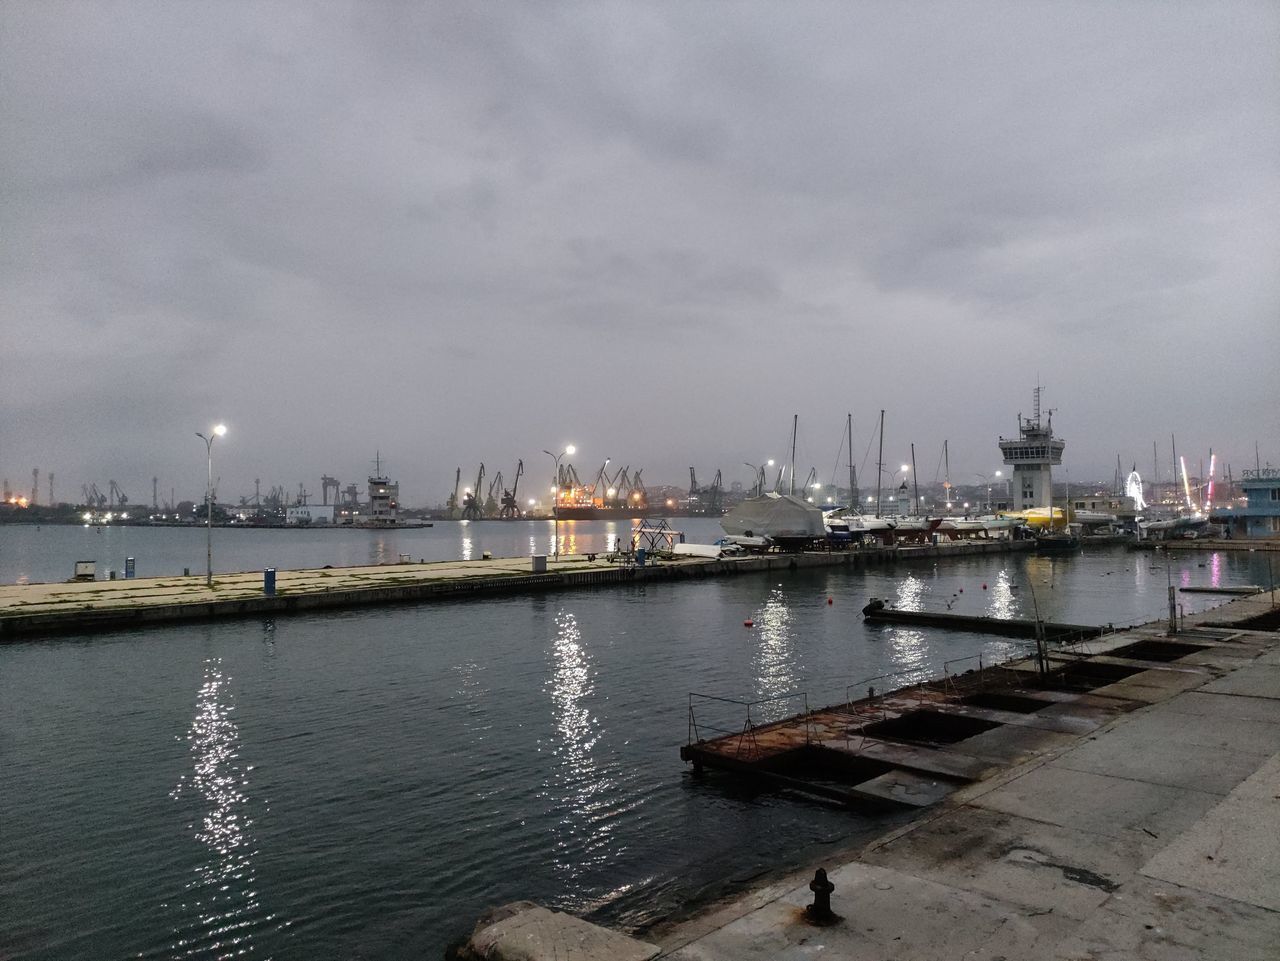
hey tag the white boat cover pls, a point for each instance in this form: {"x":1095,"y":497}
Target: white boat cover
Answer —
{"x":775,"y":516}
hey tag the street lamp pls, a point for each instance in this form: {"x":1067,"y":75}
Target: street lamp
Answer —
{"x":218,"y":431}
{"x":987,"y":480}
{"x":555,"y":504}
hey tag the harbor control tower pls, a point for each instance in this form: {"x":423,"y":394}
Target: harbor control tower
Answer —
{"x":1032,"y":456}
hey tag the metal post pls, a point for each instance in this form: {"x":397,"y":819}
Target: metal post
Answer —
{"x":217,"y":431}
{"x":208,"y":517}
{"x":555,"y":504}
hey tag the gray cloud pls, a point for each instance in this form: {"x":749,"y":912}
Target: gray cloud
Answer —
{"x":468,"y":232}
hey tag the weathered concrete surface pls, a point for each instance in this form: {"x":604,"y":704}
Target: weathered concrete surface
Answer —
{"x":27,"y":609}
{"x":527,"y":932}
{"x":1155,"y":837}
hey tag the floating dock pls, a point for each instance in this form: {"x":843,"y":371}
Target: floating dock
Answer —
{"x":917,"y":745}
{"x":1242,"y":591}
{"x":1002,"y":627}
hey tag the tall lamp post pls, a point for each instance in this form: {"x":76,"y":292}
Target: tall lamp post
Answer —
{"x":986,"y":480}
{"x":555,"y":491}
{"x":218,"y":431}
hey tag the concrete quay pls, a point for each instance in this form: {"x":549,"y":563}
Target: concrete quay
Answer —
{"x":91,"y":606}
{"x":1154,"y":836}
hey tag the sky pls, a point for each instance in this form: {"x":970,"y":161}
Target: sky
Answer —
{"x":452,"y":233}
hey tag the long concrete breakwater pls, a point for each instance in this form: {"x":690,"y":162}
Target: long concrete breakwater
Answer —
{"x":86,"y":607}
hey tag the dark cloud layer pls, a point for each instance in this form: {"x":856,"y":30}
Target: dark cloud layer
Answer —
{"x":465,"y":232}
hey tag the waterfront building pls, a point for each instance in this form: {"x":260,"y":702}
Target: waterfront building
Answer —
{"x":1032,"y":455}
{"x":384,"y":500}
{"x":1260,"y":517}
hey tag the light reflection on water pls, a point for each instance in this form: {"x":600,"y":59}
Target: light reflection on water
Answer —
{"x":582,"y":790}
{"x":911,"y":591}
{"x":1001,"y":603}
{"x":466,"y":543}
{"x":220,"y":903}
{"x":775,"y":665}
{"x":910,"y":653}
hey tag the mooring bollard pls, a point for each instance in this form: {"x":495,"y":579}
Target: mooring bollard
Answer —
{"x":820,"y":910}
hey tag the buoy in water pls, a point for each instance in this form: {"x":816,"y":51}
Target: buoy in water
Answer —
{"x":748,"y":623}
{"x":831,"y":600}
{"x":984,"y":587}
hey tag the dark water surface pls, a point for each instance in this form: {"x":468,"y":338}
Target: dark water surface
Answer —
{"x":363,"y":785}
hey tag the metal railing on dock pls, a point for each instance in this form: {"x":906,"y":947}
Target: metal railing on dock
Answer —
{"x":746,"y":735}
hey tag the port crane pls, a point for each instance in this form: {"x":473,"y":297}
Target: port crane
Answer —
{"x":510,"y":506}
{"x":116,"y":497}
{"x":328,"y":483}
{"x":607,"y":489}
{"x":471,"y":499}
{"x":705,"y":500}
{"x":630,"y":488}
{"x":452,"y":504}
{"x":93,"y":497}
{"x":491,"y":501}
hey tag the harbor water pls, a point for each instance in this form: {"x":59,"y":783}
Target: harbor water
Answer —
{"x":365,"y":784}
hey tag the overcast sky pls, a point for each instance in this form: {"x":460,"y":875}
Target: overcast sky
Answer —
{"x":463,"y":232}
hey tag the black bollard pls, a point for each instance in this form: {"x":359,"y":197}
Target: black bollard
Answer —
{"x":820,"y":911}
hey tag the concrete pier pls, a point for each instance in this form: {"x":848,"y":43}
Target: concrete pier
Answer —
{"x":1151,"y":836}
{"x":79,"y":607}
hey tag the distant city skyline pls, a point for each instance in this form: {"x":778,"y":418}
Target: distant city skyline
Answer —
{"x":456,"y":233}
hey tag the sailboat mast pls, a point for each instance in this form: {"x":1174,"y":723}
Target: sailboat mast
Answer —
{"x":915,"y":479}
{"x":853,"y":474}
{"x":946,"y":471}
{"x":795,"y":422}
{"x":880,"y":464}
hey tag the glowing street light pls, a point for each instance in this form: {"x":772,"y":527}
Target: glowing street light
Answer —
{"x":219,"y":430}
{"x":555,"y":491}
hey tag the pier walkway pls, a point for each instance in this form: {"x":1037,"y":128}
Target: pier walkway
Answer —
{"x":80,"y":607}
